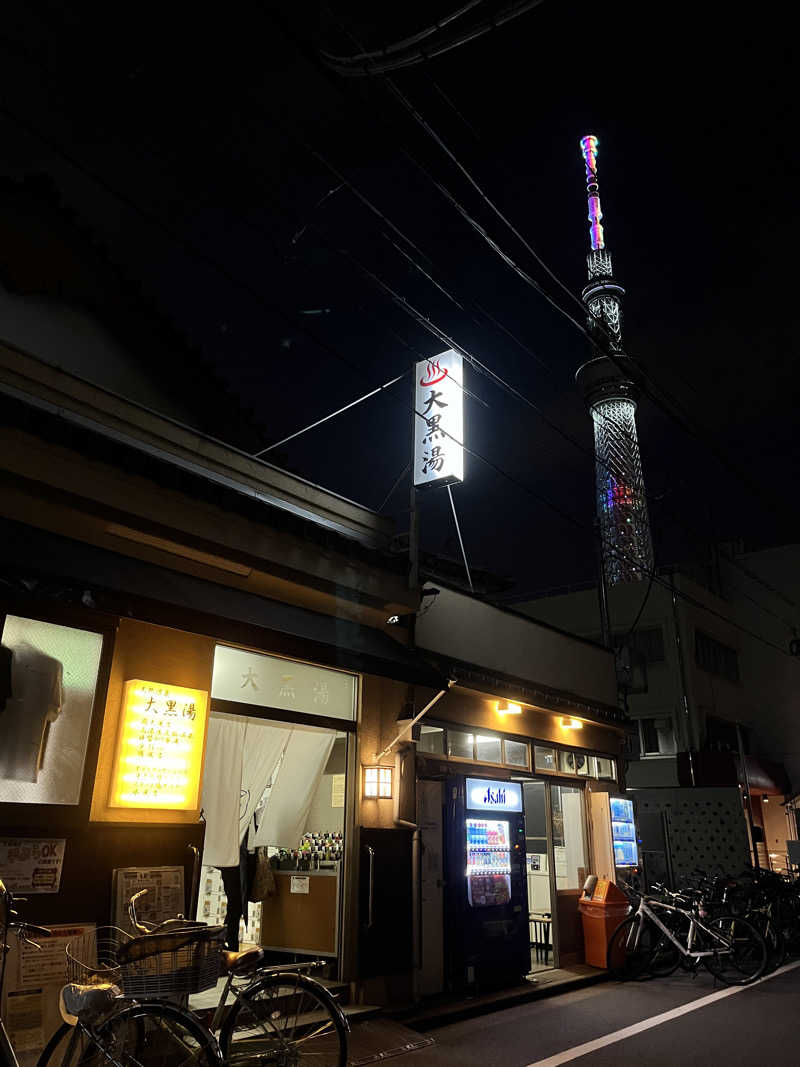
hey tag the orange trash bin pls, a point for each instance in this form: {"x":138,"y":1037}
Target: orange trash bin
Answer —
{"x":601,"y":915}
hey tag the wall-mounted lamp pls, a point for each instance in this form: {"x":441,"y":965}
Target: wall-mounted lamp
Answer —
{"x":571,"y":724}
{"x":505,"y":707}
{"x":765,"y":800}
{"x":378,"y":782}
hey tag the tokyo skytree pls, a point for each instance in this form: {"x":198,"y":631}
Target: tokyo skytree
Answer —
{"x":611,"y":397}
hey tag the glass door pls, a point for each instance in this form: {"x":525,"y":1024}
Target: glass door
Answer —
{"x":538,"y":868}
{"x":570,"y":862}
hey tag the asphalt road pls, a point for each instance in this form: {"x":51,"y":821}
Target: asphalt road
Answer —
{"x":619,"y":1024}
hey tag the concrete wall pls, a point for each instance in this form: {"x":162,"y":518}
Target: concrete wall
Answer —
{"x":467,"y":629}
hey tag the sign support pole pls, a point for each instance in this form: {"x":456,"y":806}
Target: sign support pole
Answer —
{"x":413,"y":515}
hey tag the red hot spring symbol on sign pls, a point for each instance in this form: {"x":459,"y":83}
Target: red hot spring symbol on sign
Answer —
{"x":433,"y":373}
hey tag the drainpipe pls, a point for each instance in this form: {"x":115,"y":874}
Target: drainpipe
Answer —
{"x":749,"y":805}
{"x":682,"y":669}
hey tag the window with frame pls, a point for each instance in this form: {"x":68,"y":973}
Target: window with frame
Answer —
{"x":712,"y":656}
{"x":656,"y":736}
{"x":649,"y":642}
{"x":478,"y":747}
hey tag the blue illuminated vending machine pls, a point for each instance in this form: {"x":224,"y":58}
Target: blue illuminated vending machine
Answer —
{"x":623,"y":834}
{"x":488,"y":939}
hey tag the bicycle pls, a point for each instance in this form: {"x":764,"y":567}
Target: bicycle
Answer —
{"x":729,"y":946}
{"x":280,"y":1016}
{"x":8,"y":926}
{"x":115,"y":1007}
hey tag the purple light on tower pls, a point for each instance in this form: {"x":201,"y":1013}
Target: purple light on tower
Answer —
{"x":589,"y":150}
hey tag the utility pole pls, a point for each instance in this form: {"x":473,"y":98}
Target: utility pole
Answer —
{"x":413,"y":517}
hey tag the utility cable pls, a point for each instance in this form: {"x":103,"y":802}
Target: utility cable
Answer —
{"x":423,"y":320}
{"x":615,"y":553}
{"x":395,"y":486}
{"x":333,"y":414}
{"x":210,"y":262}
{"x":406,"y":42}
{"x":356,"y":69}
{"x":440,"y":142}
{"x":631,"y":369}
{"x":460,"y":538}
{"x":154,"y":220}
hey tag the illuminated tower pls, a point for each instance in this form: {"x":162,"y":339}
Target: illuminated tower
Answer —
{"x":611,"y":397}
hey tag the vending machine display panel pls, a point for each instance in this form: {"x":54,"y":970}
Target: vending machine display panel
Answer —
{"x":488,"y":862}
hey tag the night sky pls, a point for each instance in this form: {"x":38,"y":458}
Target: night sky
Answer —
{"x":192,"y":148}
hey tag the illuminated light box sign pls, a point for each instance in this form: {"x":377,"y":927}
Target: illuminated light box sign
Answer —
{"x":439,"y":420}
{"x":160,"y":747}
{"x":271,"y":682}
{"x":485,"y":795}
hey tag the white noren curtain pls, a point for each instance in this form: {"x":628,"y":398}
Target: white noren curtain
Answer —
{"x":241,"y":755}
{"x":284,"y":820}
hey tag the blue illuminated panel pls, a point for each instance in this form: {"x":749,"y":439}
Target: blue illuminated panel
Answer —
{"x":623,"y":833}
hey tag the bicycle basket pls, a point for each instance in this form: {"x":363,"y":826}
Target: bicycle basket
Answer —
{"x":165,"y":964}
{"x":92,"y":957}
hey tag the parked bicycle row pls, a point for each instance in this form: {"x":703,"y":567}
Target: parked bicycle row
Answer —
{"x":128,"y":1001}
{"x":739,"y":928}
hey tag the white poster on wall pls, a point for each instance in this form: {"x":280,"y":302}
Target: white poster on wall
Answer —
{"x":31,"y":864}
{"x":34,"y":975}
{"x":439,"y":420}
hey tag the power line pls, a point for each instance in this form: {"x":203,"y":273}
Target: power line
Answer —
{"x":599,"y":326}
{"x":406,"y":42}
{"x":332,"y":415}
{"x":214,"y":264}
{"x":631,"y":369}
{"x":209,"y":261}
{"x":621,"y":556}
{"x":350,"y":68}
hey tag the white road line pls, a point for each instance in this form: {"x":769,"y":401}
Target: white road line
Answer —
{"x":655,"y":1020}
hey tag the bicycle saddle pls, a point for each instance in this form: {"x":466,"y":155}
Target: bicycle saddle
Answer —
{"x":87,"y":1000}
{"x":242,"y":962}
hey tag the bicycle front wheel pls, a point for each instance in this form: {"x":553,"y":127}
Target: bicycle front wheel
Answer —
{"x":739,"y":952}
{"x":285,"y":1019}
{"x":153,"y":1034}
{"x":630,"y":949}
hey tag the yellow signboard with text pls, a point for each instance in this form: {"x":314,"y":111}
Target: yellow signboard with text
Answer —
{"x":159,"y":753}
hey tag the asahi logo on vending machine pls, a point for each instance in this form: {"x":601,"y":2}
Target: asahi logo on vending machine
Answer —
{"x":439,"y":420}
{"x":483,"y":795}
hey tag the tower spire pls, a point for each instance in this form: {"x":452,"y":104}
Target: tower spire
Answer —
{"x":611,"y":397}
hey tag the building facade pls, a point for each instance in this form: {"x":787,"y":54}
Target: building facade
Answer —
{"x":707,"y":676}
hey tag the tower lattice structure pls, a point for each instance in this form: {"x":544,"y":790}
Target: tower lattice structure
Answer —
{"x":611,"y":396}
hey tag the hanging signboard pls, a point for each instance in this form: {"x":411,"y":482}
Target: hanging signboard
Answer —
{"x":439,"y":420}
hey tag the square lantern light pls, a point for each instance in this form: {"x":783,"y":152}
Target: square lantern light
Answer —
{"x":378,"y":782}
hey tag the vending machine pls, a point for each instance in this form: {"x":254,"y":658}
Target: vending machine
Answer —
{"x":488,"y":940}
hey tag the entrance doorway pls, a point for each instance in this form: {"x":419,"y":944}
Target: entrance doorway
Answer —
{"x":273,"y":797}
{"x":556,"y":866}
{"x":537,"y":865}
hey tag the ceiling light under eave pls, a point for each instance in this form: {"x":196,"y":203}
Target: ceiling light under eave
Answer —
{"x":506,"y":707}
{"x":571,"y":724}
